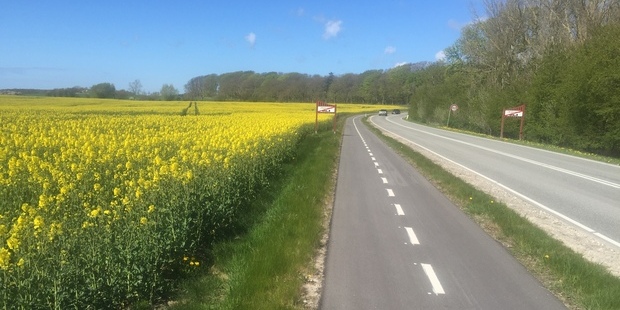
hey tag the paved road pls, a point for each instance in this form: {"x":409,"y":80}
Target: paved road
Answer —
{"x":584,"y":192}
{"x":397,"y":243}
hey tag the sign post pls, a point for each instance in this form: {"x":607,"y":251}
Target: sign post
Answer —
{"x":322,"y":107}
{"x":518,"y":112}
{"x":453,"y":108}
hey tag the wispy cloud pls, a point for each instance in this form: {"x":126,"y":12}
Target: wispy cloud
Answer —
{"x":398,"y":64}
{"x":390,"y":50}
{"x":332,"y":28}
{"x":300,"y":12}
{"x":251,"y":38}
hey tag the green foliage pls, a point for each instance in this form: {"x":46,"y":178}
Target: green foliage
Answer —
{"x":168,"y":92}
{"x":393,"y":86}
{"x":571,"y":87}
{"x":576,"y":96}
{"x":103,"y":90}
{"x":264,"y":266}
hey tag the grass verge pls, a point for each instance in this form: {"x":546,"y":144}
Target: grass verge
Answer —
{"x":264,"y":268}
{"x":576,"y":281}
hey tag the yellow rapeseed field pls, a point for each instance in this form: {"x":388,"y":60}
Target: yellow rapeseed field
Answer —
{"x":104,"y":202}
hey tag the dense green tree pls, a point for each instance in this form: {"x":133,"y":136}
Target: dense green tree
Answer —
{"x":168,"y":92}
{"x":202,"y":87}
{"x":103,"y":90}
{"x":123,"y":94}
{"x":67,"y":92}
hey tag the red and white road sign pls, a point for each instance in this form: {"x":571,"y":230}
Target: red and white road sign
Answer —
{"x":513,"y":113}
{"x":326,"y":109}
{"x":516,"y":112}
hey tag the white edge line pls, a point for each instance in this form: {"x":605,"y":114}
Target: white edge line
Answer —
{"x":430,"y":273}
{"x":612,"y":241}
{"x":538,"y":204}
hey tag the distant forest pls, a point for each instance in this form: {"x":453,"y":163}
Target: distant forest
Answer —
{"x":394,"y":86}
{"x":560,"y":58}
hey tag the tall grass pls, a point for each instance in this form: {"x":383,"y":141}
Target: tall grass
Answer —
{"x":265,"y":268}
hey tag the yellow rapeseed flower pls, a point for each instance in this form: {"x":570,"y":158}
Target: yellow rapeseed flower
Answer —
{"x":12,"y":243}
{"x":94,"y":212}
{"x":143,"y":159}
{"x":5,"y":258}
{"x":38,"y":222}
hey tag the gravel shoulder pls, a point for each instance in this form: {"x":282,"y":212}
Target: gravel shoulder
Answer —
{"x":591,"y":247}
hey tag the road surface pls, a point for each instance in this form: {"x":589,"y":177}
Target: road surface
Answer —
{"x":583,"y":192}
{"x":396,"y":242}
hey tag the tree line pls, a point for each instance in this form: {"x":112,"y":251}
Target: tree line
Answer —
{"x":107,"y":90}
{"x":393,"y":86}
{"x":561,"y":58}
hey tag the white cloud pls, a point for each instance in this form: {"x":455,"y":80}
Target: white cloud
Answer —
{"x":251,"y":38}
{"x":400,"y":64}
{"x":390,"y":50}
{"x":440,"y":56}
{"x":332,"y":28}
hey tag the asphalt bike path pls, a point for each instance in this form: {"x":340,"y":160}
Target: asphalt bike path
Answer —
{"x":396,"y":242}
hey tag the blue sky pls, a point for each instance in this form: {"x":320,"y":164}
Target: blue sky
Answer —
{"x":55,"y":44}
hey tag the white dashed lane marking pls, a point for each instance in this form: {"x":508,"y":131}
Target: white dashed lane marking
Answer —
{"x":430,"y":273}
{"x":437,"y":289}
{"x":399,"y":209}
{"x":412,"y":237}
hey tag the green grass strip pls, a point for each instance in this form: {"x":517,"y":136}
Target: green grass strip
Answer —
{"x":265,"y":268}
{"x":578,"y":282}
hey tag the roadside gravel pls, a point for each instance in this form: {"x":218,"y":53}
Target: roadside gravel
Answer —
{"x":591,"y":247}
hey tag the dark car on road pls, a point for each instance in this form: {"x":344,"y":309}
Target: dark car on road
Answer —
{"x":396,"y":111}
